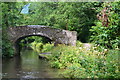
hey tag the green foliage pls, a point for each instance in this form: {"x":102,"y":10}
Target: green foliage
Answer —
{"x":7,"y":50}
{"x":79,"y":44}
{"x":37,"y":47}
{"x":26,"y":42}
{"x":109,"y":37}
{"x":40,"y":47}
{"x":73,"y":16}
{"x":78,"y":62}
{"x":47,"y":47}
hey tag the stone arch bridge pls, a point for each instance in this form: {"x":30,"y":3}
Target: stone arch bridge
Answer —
{"x":59,"y":36}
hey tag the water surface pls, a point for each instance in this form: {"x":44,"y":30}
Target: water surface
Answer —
{"x":28,"y":65}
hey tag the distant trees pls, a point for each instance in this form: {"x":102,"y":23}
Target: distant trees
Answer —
{"x":71,"y":16}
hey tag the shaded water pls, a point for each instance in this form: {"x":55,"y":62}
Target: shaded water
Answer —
{"x":28,"y":66}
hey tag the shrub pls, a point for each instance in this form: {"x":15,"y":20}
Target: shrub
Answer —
{"x":108,"y":36}
{"x":7,"y":50}
{"x":47,"y":47}
{"x":33,"y":46}
{"x":79,"y":44}
{"x":81,"y":63}
{"x":39,"y":47}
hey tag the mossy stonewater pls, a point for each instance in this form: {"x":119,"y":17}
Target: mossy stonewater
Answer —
{"x":28,"y":66}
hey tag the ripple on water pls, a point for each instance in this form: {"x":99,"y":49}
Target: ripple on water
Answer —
{"x":29,"y":77}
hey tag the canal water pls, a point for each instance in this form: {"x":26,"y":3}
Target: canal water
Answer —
{"x":28,"y":66}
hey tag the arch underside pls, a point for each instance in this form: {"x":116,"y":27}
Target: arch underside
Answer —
{"x":17,"y":41}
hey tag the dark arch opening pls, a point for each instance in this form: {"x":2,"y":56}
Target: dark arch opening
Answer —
{"x":18,"y":47}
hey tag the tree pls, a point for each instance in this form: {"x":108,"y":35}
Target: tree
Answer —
{"x":109,"y":36}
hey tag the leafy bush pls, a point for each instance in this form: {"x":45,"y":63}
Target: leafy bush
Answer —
{"x":79,"y":44}
{"x":7,"y":50}
{"x":40,"y":47}
{"x":47,"y":47}
{"x":37,"y":46}
{"x":105,"y":36}
{"x":33,"y":46}
{"x":81,"y":63}
{"x":108,"y":36}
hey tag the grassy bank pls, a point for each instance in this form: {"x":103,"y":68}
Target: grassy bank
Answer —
{"x":83,"y":62}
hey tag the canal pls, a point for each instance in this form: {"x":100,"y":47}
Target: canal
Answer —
{"x":28,"y":66}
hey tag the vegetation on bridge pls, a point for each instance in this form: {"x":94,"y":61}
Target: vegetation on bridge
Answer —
{"x":96,"y":22}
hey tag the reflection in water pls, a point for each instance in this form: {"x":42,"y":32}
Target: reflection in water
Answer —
{"x":28,"y":66}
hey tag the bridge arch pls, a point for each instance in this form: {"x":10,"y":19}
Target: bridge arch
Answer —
{"x":59,"y":36}
{"x":18,"y":47}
